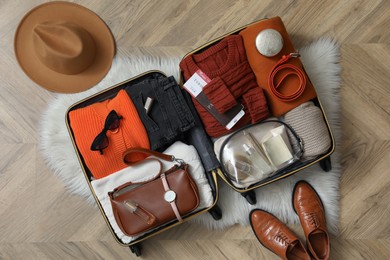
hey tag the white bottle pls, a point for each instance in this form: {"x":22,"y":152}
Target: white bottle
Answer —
{"x":261,"y":168}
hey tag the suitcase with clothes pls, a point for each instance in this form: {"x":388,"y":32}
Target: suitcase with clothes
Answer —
{"x":235,"y":114}
{"x":106,"y":125}
{"x":256,"y":70}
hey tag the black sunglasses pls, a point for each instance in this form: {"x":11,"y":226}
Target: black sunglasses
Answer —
{"x":101,"y":140}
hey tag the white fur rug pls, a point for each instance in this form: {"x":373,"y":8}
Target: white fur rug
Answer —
{"x":321,"y":61}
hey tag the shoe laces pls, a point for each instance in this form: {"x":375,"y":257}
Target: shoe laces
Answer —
{"x":282,"y":238}
{"x":313,"y":220}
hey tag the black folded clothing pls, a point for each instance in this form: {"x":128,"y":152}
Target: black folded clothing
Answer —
{"x":168,"y":116}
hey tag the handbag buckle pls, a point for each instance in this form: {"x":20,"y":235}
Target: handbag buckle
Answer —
{"x":178,"y":160}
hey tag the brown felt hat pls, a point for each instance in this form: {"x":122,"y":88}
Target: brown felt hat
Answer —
{"x":64,"y":47}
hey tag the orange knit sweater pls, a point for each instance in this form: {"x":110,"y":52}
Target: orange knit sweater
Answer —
{"x":88,"y":122}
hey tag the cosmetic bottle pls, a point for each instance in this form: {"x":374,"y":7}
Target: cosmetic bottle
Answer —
{"x":277,"y":147}
{"x":240,"y":169}
{"x":261,"y":169}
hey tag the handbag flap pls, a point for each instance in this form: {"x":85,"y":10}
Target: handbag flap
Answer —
{"x":148,"y":199}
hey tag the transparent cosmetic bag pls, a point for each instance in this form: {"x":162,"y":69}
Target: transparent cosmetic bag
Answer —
{"x":259,"y":152}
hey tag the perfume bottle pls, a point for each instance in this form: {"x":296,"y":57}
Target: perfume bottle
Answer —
{"x":240,"y":169}
{"x":261,"y":167}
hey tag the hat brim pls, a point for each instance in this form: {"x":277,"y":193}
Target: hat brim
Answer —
{"x":77,"y":14}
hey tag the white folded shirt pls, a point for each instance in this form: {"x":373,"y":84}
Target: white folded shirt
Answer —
{"x":148,"y":170}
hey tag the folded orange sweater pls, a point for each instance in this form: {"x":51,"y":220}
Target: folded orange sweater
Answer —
{"x":88,"y":122}
{"x":262,"y":66}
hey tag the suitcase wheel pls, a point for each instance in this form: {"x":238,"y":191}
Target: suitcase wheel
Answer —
{"x":326,"y":164}
{"x":136,"y":249}
{"x":250,"y":196}
{"x":216,"y":212}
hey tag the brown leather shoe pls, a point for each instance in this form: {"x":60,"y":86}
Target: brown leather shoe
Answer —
{"x":276,"y":236}
{"x":308,"y":205}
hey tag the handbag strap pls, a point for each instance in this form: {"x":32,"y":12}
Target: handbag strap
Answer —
{"x":163,"y":156}
{"x":117,"y":189}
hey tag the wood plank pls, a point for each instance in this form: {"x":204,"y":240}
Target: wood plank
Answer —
{"x":40,"y":219}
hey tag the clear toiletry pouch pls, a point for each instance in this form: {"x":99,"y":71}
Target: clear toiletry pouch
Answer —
{"x":257,"y":152}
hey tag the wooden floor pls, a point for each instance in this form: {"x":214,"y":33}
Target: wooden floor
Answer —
{"x":39,"y":219}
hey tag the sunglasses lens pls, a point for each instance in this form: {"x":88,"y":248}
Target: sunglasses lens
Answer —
{"x":100,"y":142}
{"x":114,"y":125}
{"x":104,"y":143}
{"x":112,"y":121}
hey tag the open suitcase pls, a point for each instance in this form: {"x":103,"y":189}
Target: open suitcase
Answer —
{"x":323,"y":158}
{"x":195,"y":136}
{"x":204,"y":146}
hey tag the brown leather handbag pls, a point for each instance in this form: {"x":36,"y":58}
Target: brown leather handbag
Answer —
{"x":167,"y":197}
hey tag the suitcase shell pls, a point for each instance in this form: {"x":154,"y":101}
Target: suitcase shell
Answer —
{"x":110,"y":93}
{"x":324,"y":159}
